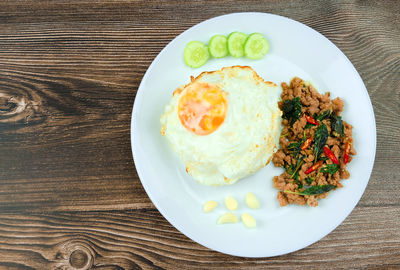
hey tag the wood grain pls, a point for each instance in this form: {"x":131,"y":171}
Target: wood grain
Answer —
{"x":69,"y":72}
{"x":62,"y":81}
{"x":143,"y":239}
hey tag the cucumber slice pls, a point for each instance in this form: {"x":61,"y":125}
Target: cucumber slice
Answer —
{"x":236,"y":42}
{"x":256,"y":46}
{"x":217,"y":46}
{"x":196,"y":54}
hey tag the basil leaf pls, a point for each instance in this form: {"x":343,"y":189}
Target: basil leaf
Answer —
{"x":308,"y":125}
{"x":314,"y":190}
{"x":295,"y":147}
{"x":309,"y":180}
{"x":298,"y":183}
{"x":330,"y":168}
{"x":323,"y":115}
{"x":292,"y":110}
{"x":320,"y":138}
{"x":290,"y":169}
{"x":337,"y":125}
{"x":293,"y":169}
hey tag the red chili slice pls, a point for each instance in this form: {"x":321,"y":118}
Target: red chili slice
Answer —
{"x":347,"y":149}
{"x":307,"y":143}
{"x":311,"y":120}
{"x":314,"y":167}
{"x":331,"y":155}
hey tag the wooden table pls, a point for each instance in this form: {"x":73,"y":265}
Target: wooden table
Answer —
{"x":70,"y":197}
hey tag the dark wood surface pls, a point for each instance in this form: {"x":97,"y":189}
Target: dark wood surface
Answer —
{"x":70,"y":197}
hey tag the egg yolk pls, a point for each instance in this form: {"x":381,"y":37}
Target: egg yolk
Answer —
{"x":202,"y":108}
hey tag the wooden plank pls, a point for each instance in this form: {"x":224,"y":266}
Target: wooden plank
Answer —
{"x":143,"y":239}
{"x":69,"y":73}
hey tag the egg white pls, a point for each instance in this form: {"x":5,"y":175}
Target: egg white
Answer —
{"x":244,"y":142}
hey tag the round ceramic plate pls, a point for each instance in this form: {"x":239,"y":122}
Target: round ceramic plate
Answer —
{"x":295,"y":50}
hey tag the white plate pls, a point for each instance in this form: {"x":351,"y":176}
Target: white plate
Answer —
{"x":295,"y":50}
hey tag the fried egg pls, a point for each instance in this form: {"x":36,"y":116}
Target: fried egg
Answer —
{"x":224,"y":125}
